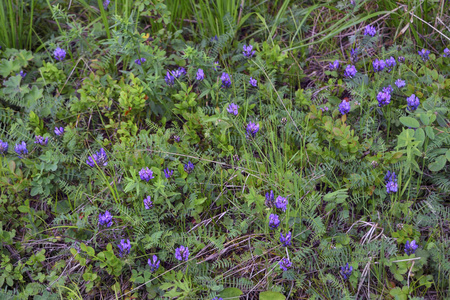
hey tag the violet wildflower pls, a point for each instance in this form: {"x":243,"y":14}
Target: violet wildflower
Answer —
{"x":177,"y":73}
{"x":182,"y":71}
{"x":59,"y":54}
{"x":446,"y":53}
{"x":106,"y":4}
{"x":350,"y":71}
{"x":354,"y":54}
{"x":370,"y":30}
{"x":154,"y":263}
{"x":401,"y":59}
{"x":139,"y":61}
{"x":388,"y":89}
{"x":182,"y":253}
{"x":274,"y":221}
{"x":252,"y":129}
{"x":216,"y":66}
{"x":59,"y":131}
{"x":124,"y":247}
{"x":253,"y":82}
{"x":176,"y":138}
{"x":217,"y":298}
{"x":284,"y":264}
{"x":248,"y":51}
{"x":100,"y":158}
{"x":105,"y":219}
{"x":413,"y":102}
{"x":21,"y":149}
{"x":378,"y":65}
{"x":269,"y":198}
{"x":40,"y":140}
{"x":170,"y":80}
{"x":334,"y":65}
{"x":148,"y":202}
{"x":189,"y":167}
{"x":324,"y":109}
{"x":168,"y":173}
{"x":214,"y":39}
{"x":286,"y":240}
{"x":344,"y":107}
{"x":400,"y":83}
{"x":281,"y":203}
{"x":200,"y":75}
{"x":390,"y":63}
{"x":233,"y":109}
{"x":410,"y":248}
{"x":391,"y":182}
{"x":22,"y":74}
{"x":346,"y":271}
{"x":384,"y":97}
{"x":3,"y":147}
{"x":226,"y":81}
{"x":146,"y":174}
{"x":424,"y":54}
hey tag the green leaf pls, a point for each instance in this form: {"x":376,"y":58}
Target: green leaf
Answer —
{"x":409,"y":122}
{"x":269,"y":295}
{"x":430,"y":132}
{"x":338,"y":196}
{"x":438,"y":164}
{"x":447,"y":154}
{"x":231,"y":293}
{"x":425,"y":119}
{"x":23,"y":209}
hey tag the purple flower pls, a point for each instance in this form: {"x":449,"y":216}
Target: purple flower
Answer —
{"x":248,"y":51}
{"x":401,"y":59}
{"x":148,"y":202}
{"x":216,"y":66}
{"x":400,"y":83}
{"x":105,"y":219}
{"x":59,"y":54}
{"x":384,"y":97}
{"x":350,"y":71}
{"x":154,"y":263}
{"x":370,"y":30}
{"x":40,"y":140}
{"x":424,"y":54}
{"x":253,"y":82}
{"x":323,"y":109}
{"x":178,"y":73}
{"x":124,"y":247}
{"x":286,"y":240}
{"x":189,"y":167}
{"x":281,"y":203}
{"x":168,"y":173}
{"x":413,"y":102}
{"x":284,"y":264}
{"x":200,"y":75}
{"x":146,"y":174}
{"x":176,"y":138}
{"x":388,"y":89}
{"x":233,"y":109}
{"x":106,"y":4}
{"x":170,"y":80}
{"x":100,"y":158}
{"x":226,"y":81}
{"x":217,"y":298}
{"x":252,"y":129}
{"x":346,"y":271}
{"x":3,"y":147}
{"x":390,"y":63}
{"x":59,"y":131}
{"x":21,"y":149}
{"x":139,"y":61}
{"x":378,"y":65}
{"x":22,"y":74}
{"x":446,"y":53}
{"x":214,"y":39}
{"x":354,"y":55}
{"x":344,"y":107}
{"x":274,"y":221}
{"x":269,"y":198}
{"x":391,"y":182}
{"x":410,"y":248}
{"x":334,"y":65}
{"x":182,"y":253}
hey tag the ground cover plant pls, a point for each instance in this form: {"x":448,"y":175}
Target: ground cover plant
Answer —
{"x":224,"y":149}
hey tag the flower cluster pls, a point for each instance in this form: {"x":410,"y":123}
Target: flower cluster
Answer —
{"x":179,"y":72}
{"x":391,"y":182}
{"x":146,"y":174}
{"x":370,"y":30}
{"x":324,"y":109}
{"x":22,"y":74}
{"x":59,"y":131}
{"x":21,"y":149}
{"x":446,"y":53}
{"x":182,"y":253}
{"x":253,"y":82}
{"x":286,"y":240}
{"x":281,"y":203}
{"x":390,"y":63}
{"x":346,"y":271}
{"x":378,"y":65}
{"x":269,"y":198}
{"x":410,"y":248}
{"x":216,"y":66}
{"x":148,"y":202}
{"x":105,"y":219}
{"x":154,"y":263}
{"x":400,"y":83}
{"x":124,"y":247}
{"x":334,"y":65}
{"x":233,"y":109}
{"x":168,"y":173}
{"x":200,"y":75}
{"x":344,"y":107}
{"x":350,"y":71}
{"x":424,"y":54}
{"x":169,"y":79}
{"x":354,"y":55}
{"x":252,"y":129}
{"x":59,"y":54}
{"x":274,"y":221}
{"x":248,"y":51}
{"x":3,"y":147}
{"x":413,"y":102}
{"x":226,"y":81}
{"x":106,"y":4}
{"x":284,"y":264}
{"x":100,"y":158}
{"x":139,"y":61}
{"x":384,"y":97}
{"x":40,"y":140}
{"x":189,"y":167}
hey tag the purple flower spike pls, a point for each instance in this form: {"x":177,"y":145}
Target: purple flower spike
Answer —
{"x":3,"y":147}
{"x":344,"y":107}
{"x":124,"y":247}
{"x":148,"y":202}
{"x":424,"y":54}
{"x":269,"y":198}
{"x":391,"y":182}
{"x":346,"y":271}
{"x":253,"y":82}
{"x":410,"y":248}
{"x":216,"y":66}
{"x":413,"y":102}
{"x":274,"y":221}
{"x":233,"y":109}
{"x":350,"y":71}
{"x":189,"y":167}
{"x":252,"y":129}
{"x":139,"y":61}
{"x":390,"y":63}
{"x":182,"y":253}
{"x":21,"y":149}
{"x":334,"y":65}
{"x":285,"y":264}
{"x":168,"y":173}
{"x":378,"y":65}
{"x":169,"y":79}
{"x":106,"y":4}
{"x":248,"y":51}
{"x":146,"y":174}
{"x":400,"y":83}
{"x":286,"y":240}
{"x":154,"y":263}
{"x":59,"y":54}
{"x":41,"y":141}
{"x":100,"y":158}
{"x":200,"y":75}
{"x":446,"y":53}
{"x":59,"y":131}
{"x":226,"y":81}
{"x":384,"y":97}
{"x":370,"y":30}
{"x":281,"y":203}
{"x":105,"y":219}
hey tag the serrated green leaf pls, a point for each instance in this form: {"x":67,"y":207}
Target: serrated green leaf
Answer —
{"x":430,"y":132}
